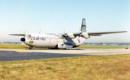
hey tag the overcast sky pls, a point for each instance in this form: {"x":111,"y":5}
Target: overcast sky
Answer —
{"x":53,"y":16}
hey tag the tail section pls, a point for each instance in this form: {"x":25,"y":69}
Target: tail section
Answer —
{"x":83,"y":25}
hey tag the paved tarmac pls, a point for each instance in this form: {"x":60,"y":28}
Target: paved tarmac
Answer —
{"x":23,"y":54}
{"x":13,"y":56}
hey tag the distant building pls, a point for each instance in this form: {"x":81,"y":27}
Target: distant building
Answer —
{"x":107,"y":44}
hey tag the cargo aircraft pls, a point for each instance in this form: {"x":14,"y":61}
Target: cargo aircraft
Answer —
{"x":60,"y":41}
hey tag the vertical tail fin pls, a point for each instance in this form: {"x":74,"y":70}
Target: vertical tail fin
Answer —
{"x":83,"y":25}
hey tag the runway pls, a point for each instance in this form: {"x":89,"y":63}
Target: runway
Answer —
{"x":23,"y":54}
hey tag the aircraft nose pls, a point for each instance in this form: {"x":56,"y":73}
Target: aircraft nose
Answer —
{"x":23,"y":39}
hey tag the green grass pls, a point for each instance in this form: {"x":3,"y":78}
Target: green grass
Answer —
{"x":102,"y":47}
{"x":7,"y":46}
{"x":2,"y":46}
{"x":114,"y":67}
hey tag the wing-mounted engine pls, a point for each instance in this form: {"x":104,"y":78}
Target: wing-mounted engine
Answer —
{"x":68,"y":35}
{"x":85,"y":35}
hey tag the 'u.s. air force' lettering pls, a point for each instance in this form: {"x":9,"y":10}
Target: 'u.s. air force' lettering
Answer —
{"x":38,"y":38}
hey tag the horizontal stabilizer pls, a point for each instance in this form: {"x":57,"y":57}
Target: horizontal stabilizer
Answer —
{"x":17,"y":34}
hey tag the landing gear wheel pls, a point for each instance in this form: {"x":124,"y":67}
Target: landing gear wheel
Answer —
{"x":68,"y":48}
{"x":30,"y":47}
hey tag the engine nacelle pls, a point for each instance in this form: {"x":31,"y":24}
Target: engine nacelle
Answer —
{"x":70,"y":35}
{"x":85,"y":35}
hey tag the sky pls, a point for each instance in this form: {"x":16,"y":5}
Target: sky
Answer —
{"x":53,"y":16}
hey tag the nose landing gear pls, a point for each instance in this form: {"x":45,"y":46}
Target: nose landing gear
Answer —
{"x":30,"y":47}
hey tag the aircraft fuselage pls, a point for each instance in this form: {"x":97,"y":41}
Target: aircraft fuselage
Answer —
{"x":52,"y":41}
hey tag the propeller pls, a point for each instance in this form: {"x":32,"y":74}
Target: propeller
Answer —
{"x":64,"y":31}
{"x":25,"y":31}
{"x":40,"y":31}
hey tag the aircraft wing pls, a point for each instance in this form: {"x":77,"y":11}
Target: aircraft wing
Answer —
{"x":99,"y":33}
{"x":17,"y":34}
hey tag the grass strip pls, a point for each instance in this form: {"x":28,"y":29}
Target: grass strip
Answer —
{"x":112,"y":67}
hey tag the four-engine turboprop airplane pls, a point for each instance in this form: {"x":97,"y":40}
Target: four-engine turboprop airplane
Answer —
{"x":61,"y":41}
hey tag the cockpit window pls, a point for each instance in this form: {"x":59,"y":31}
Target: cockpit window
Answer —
{"x":29,"y":36}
